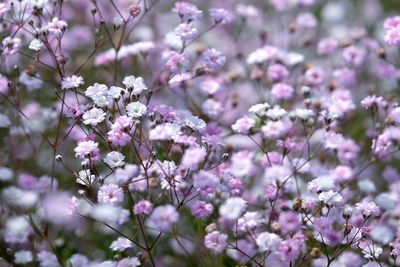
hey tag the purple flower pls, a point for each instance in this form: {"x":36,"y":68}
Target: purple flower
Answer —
{"x":186,"y":32}
{"x":110,"y":194}
{"x":187,"y":11}
{"x":289,"y":222}
{"x":177,"y":63}
{"x":164,"y":216}
{"x":213,"y":59}
{"x":201,"y":209}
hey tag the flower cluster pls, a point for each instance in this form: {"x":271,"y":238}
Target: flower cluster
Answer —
{"x":199,"y":133}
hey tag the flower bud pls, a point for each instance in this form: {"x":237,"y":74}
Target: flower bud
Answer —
{"x":315,"y":253}
{"x":347,"y":229}
{"x":297,"y":204}
{"x":211,"y":227}
{"x":134,"y":10}
{"x":347,"y":212}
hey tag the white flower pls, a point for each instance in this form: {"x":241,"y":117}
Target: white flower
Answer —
{"x":85,"y":177}
{"x":260,"y":109}
{"x":323,"y":183}
{"x":121,"y":244}
{"x":98,"y":93}
{"x":115,"y":92}
{"x":276,"y":113}
{"x":372,"y":252}
{"x":166,"y":131}
{"x":268,"y":241}
{"x":136,"y":109}
{"x":303,"y":113}
{"x":35,"y":45}
{"x":330,"y":197}
{"x":233,"y":208}
{"x":72,"y":82}
{"x":93,"y":116}
{"x":23,"y":257}
{"x":115,"y":159}
{"x":136,"y":84}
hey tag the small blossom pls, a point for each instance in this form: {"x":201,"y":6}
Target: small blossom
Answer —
{"x":282,"y":91}
{"x":56,"y":26}
{"x":260,"y":109}
{"x":110,"y":194}
{"x":87,"y":150}
{"x":72,"y":82}
{"x":220,"y":15}
{"x":330,"y":197}
{"x":115,"y":159}
{"x":187,"y":11}
{"x":216,"y":242}
{"x":11,"y":45}
{"x":213,"y":59}
{"x":143,"y":207}
{"x":177,"y":63}
{"x":268,"y":241}
{"x":136,"y":109}
{"x":135,"y":84}
{"x":233,"y":208}
{"x":186,"y":32}
{"x":121,"y":244}
{"x":368,"y":208}
{"x":93,"y":116}
{"x":243,"y":125}
{"x":164,"y":216}
{"x":35,"y":45}
{"x":115,"y":92}
{"x":201,"y":209}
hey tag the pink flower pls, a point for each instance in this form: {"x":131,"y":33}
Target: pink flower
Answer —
{"x":56,"y":26}
{"x":327,"y":46}
{"x":87,"y":150}
{"x":368,"y":208}
{"x":354,"y":55}
{"x":348,"y":151}
{"x":277,"y":73}
{"x":177,"y":63}
{"x":143,"y":207}
{"x":216,"y":242}
{"x":11,"y":45}
{"x":314,"y":76}
{"x":282,"y":91}
{"x":243,"y":125}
